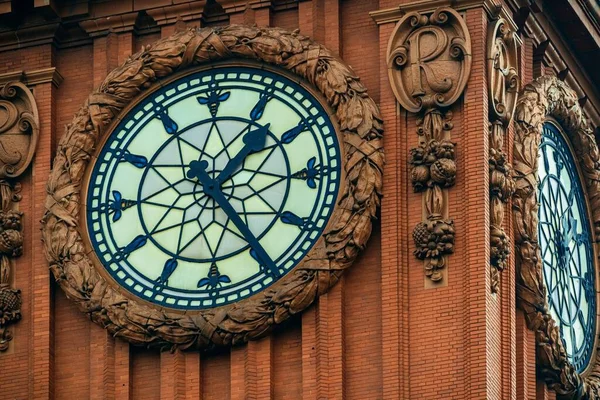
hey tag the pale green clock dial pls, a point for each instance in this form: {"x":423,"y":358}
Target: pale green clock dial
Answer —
{"x":213,"y":187}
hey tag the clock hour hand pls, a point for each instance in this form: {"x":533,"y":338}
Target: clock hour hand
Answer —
{"x":253,"y":141}
{"x":212,"y":189}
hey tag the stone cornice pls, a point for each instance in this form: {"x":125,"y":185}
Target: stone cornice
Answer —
{"x":170,"y":14}
{"x":32,"y":78}
{"x":557,"y":55}
{"x":104,"y":25}
{"x":390,"y":15}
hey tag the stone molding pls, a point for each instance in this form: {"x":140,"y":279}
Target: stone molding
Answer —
{"x":32,"y":78}
{"x":19,"y":132}
{"x":394,"y":14}
{"x":559,"y":58}
{"x":548,"y":96}
{"x":141,"y":324}
{"x":427,"y":77}
{"x":503,"y":87}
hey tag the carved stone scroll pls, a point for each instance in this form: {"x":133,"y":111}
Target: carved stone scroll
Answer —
{"x":142,"y":324}
{"x":19,"y":131}
{"x":548,"y":96}
{"x":429,"y":62}
{"x":503,"y":86}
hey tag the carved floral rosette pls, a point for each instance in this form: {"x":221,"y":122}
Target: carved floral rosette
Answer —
{"x":19,"y":132}
{"x":141,"y":324}
{"x":429,"y":63}
{"x":547,"y":96}
{"x":503,"y":86}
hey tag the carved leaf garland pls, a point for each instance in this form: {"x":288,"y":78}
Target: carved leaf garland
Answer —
{"x":547,"y":96}
{"x":361,"y":126}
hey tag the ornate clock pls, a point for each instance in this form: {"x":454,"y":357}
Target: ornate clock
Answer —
{"x":566,"y":248}
{"x":203,"y":206}
{"x":213,"y":187}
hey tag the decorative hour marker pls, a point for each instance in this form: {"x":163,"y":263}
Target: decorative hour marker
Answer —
{"x":167,"y":271}
{"x":134,"y":159}
{"x":312,"y":172}
{"x":215,"y":278}
{"x":118,"y":204}
{"x":259,"y":108}
{"x":170,"y":125}
{"x":213,"y":99}
{"x":263,"y":267}
{"x":288,"y":217}
{"x":291,"y":134}
{"x":134,"y":245}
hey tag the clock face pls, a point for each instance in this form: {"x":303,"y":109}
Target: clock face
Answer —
{"x":566,"y":248}
{"x":213,"y":187}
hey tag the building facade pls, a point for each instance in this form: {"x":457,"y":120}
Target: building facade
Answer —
{"x":454,"y":256}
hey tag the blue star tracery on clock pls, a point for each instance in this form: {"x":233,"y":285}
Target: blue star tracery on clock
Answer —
{"x":565,"y":246}
{"x":205,"y":187}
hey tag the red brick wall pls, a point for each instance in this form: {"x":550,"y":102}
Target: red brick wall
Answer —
{"x":378,"y":334}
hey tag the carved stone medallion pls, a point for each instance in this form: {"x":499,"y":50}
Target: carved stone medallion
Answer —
{"x":143,"y":323}
{"x":19,"y":129}
{"x":503,"y":79}
{"x":19,"y":132}
{"x":429,"y":62}
{"x":545,"y":97}
{"x":429,"y":59}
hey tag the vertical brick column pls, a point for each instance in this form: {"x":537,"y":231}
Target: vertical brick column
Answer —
{"x":309,"y":19}
{"x":122,"y":370}
{"x":193,"y":383}
{"x":525,"y":338}
{"x":330,"y":306}
{"x":41,"y":363}
{"x":102,"y":363}
{"x":259,"y":369}
{"x":237,"y":372}
{"x":309,"y":354}
{"x":394,"y":250}
{"x":474,"y":230}
{"x":507,"y":289}
{"x":172,"y":375}
{"x":110,"y":369}
{"x":262,"y":16}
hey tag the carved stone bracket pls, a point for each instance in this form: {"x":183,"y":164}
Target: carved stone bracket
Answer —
{"x":503,"y":86}
{"x":548,"y":96}
{"x":429,"y":63}
{"x":19,"y":131}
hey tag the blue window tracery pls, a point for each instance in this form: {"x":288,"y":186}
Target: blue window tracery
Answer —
{"x":565,"y":244}
{"x":190,"y":186}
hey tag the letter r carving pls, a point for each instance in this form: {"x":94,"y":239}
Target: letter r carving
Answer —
{"x":420,"y":55}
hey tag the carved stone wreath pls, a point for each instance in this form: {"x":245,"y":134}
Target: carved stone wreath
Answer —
{"x":545,"y":97}
{"x":141,"y":324}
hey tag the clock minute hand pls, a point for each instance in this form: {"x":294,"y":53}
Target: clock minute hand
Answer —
{"x":212,"y":189}
{"x":253,"y":141}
